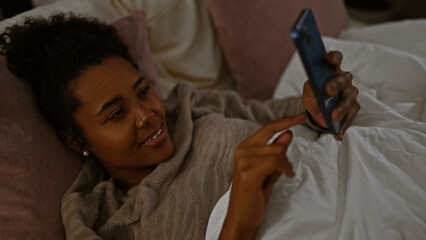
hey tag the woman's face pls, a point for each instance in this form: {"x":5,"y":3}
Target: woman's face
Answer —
{"x":123,"y":121}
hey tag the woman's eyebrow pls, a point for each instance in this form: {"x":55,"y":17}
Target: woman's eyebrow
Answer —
{"x":114,"y":100}
{"x":108,"y":104}
{"x":139,"y":81}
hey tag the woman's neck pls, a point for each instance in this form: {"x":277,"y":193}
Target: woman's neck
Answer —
{"x":126,"y":179}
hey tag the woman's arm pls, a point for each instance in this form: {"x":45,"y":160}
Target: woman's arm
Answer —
{"x":232,"y":105}
{"x":257,"y":167}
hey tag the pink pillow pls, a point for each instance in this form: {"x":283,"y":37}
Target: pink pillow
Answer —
{"x":255,"y":36}
{"x":132,"y":31}
{"x":36,"y":168}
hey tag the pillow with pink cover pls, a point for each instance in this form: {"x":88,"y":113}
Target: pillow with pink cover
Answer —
{"x":255,"y":37}
{"x":36,"y":168}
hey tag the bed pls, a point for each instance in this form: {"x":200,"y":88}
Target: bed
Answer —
{"x":372,"y":185}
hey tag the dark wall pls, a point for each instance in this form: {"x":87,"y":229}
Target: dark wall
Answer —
{"x":12,"y":7}
{"x":412,"y":9}
{"x":374,"y":11}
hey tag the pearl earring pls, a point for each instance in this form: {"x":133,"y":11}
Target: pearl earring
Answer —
{"x":85,"y":153}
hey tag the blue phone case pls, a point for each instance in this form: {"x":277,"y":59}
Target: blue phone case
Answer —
{"x":307,"y":39}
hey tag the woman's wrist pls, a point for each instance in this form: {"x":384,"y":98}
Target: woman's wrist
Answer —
{"x":315,"y":123}
{"x":231,"y":230}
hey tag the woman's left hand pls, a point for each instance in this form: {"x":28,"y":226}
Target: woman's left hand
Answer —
{"x":347,"y":108}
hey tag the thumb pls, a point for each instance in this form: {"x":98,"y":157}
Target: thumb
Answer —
{"x":285,"y":138}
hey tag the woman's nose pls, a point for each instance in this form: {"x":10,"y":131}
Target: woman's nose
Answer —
{"x":144,"y":120}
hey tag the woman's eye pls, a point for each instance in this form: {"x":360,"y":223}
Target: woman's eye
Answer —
{"x":116,"y":114}
{"x":143,"y":91}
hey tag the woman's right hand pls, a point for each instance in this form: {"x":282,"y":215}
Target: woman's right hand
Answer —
{"x":257,"y":167}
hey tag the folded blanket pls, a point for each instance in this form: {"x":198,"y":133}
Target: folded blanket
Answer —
{"x":176,"y":199}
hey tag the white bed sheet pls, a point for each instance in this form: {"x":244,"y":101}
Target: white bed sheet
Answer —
{"x":372,"y":185}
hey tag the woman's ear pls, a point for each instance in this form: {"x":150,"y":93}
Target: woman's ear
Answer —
{"x":73,"y":142}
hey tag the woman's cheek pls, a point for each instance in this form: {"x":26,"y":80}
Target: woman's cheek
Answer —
{"x":116,"y":136}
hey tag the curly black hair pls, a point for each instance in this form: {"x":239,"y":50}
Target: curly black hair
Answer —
{"x":49,"y":53}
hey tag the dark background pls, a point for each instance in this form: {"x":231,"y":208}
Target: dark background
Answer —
{"x":12,"y":7}
{"x":385,"y":10}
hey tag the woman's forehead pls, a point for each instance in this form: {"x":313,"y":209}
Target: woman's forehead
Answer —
{"x":113,"y":77}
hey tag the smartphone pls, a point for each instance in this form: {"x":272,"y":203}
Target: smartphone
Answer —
{"x":308,"y":42}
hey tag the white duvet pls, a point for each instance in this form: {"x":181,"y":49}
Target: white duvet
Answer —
{"x":372,"y":185}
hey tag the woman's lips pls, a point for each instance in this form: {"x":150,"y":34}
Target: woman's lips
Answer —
{"x":155,"y":138}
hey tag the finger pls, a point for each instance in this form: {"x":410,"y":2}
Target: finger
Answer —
{"x":308,"y":98}
{"x":285,"y":139}
{"x":266,"y":132}
{"x":261,"y":150}
{"x":347,"y":122}
{"x":307,"y":89}
{"x":339,"y":82}
{"x":346,"y":104}
{"x":334,"y":58}
{"x":338,"y":137}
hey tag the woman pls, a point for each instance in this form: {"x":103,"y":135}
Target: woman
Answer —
{"x":155,"y":170}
